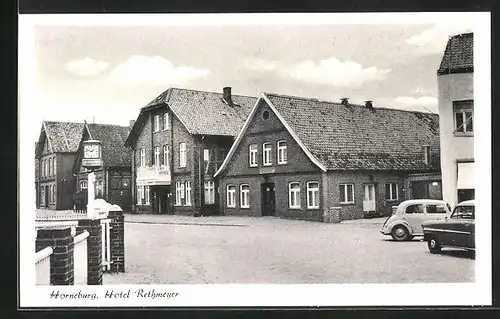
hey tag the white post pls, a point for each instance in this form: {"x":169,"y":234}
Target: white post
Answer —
{"x":91,"y":195}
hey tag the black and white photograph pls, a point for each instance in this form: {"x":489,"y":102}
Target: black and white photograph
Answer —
{"x":330,"y":159}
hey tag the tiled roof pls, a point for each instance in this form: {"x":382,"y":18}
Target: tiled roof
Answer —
{"x":112,"y":137}
{"x":354,"y":137}
{"x":206,"y":113}
{"x":64,"y":137}
{"x":458,"y":55}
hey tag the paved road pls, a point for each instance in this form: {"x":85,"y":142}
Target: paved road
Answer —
{"x":190,"y":250}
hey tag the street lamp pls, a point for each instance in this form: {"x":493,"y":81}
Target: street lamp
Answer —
{"x":92,"y":159}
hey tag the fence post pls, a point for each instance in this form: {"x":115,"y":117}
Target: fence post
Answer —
{"x":117,"y":238}
{"x":62,"y":259}
{"x":94,"y":250}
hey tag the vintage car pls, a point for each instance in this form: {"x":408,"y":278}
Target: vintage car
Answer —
{"x":457,"y":231}
{"x":406,"y":220}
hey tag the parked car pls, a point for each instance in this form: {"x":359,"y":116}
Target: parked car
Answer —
{"x":406,"y":221}
{"x":456,"y":231}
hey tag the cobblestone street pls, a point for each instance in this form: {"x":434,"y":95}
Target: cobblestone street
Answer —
{"x":162,"y":249}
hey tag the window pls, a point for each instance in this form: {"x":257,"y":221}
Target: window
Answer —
{"x":244,"y":196}
{"x":50,"y":194}
{"x":265,"y":115}
{"x":143,"y":157}
{"x":294,"y":195}
{"x":312,"y":195}
{"x":146,"y":194}
{"x":463,"y":112}
{"x":188,"y":193}
{"x":347,"y":193}
{"x":179,"y":194}
{"x":53,"y":193}
{"x":49,"y":167}
{"x":209,"y":192}
{"x":391,"y":191}
{"x":436,"y":209}
{"x":140,"y":195}
{"x":415,"y":209}
{"x":206,"y":159}
{"x":281,"y":152}
{"x":166,"y":121}
{"x":54,"y":166}
{"x":253,"y":155}
{"x":166,"y":155}
{"x":156,"y":123}
{"x":156,"y":161}
{"x":266,"y":154}
{"x":43,"y":168}
{"x":83,"y":184}
{"x":231,"y":190}
{"x":42,"y":195}
{"x":182,"y":154}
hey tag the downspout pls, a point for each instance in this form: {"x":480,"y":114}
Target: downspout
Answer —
{"x":171,"y":164}
{"x":151,"y":119}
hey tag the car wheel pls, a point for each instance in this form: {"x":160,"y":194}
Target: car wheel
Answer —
{"x":434,"y":245}
{"x":400,"y":233}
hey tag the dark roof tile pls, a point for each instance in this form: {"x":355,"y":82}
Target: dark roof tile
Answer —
{"x":64,"y":137}
{"x":458,"y":55}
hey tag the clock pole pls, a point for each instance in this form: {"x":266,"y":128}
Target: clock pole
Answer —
{"x":91,"y":195}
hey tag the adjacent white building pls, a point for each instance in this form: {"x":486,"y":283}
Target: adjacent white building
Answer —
{"x":456,"y":118}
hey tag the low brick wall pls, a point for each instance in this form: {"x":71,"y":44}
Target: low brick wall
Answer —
{"x":94,"y":250}
{"x":62,"y":257}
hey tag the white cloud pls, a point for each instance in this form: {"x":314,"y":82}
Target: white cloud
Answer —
{"x":434,"y":39}
{"x":86,"y":67}
{"x":332,"y":71}
{"x":260,"y":64}
{"x":154,"y":70}
{"x":422,"y":103}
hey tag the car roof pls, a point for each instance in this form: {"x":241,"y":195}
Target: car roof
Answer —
{"x":467,"y":203}
{"x":423,"y":201}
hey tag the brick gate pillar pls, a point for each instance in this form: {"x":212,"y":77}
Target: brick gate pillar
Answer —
{"x":62,"y":258}
{"x":94,"y":250}
{"x":117,"y":241}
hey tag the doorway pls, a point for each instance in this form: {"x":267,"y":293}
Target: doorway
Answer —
{"x":268,"y":199}
{"x":369,"y":203}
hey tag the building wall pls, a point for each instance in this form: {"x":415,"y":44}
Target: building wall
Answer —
{"x":452,"y":87}
{"x":359,"y":179}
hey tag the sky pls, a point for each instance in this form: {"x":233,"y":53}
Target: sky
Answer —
{"x":105,"y":74}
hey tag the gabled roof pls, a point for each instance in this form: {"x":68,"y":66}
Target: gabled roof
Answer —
{"x":458,"y":56}
{"x":202,"y":113}
{"x":63,"y":137}
{"x":112,"y":137}
{"x":353,"y":137}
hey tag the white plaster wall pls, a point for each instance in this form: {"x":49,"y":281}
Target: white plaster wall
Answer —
{"x":452,"y":87}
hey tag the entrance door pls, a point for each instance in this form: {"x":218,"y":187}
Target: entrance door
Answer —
{"x":268,"y":199}
{"x":369,"y":204}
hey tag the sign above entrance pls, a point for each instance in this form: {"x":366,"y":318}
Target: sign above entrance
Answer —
{"x":266,"y":170}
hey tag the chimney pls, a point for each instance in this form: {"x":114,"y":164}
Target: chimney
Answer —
{"x":226,"y":95}
{"x":369,"y":105}
{"x":427,"y":153}
{"x":345,"y":101}
{"x":131,"y":124}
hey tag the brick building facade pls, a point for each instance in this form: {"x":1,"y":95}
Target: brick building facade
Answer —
{"x":178,"y":142}
{"x":297,"y":157}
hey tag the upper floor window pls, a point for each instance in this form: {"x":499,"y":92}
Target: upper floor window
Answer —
{"x":206,"y":159}
{"x":166,"y":121}
{"x":347,"y":193}
{"x":253,"y":155}
{"x":244,"y":196}
{"x":463,"y":113}
{"x":143,"y":158}
{"x":188,"y":193}
{"x":54,"y":166}
{"x":166,"y":155}
{"x":266,"y":154}
{"x":156,"y":123}
{"x":281,"y":146}
{"x":49,"y":167}
{"x":209,"y":192}
{"x":312,"y":195}
{"x":182,"y":154}
{"x":294,"y":195}
{"x":156,"y":161}
{"x":231,"y":190}
{"x":391,"y":191}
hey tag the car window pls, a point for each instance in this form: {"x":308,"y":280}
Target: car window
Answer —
{"x":436,"y":209}
{"x":415,"y":209}
{"x":464,"y":212}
